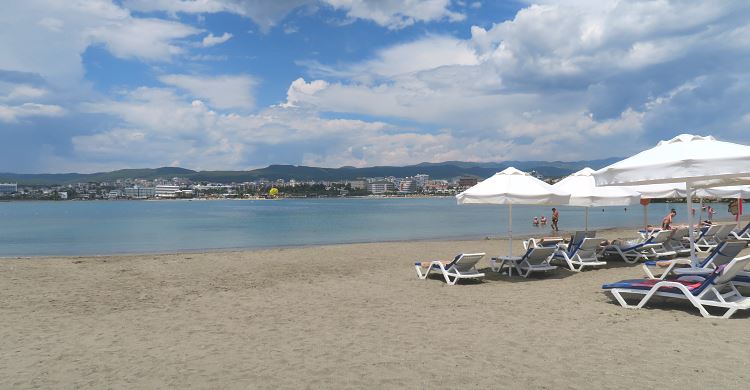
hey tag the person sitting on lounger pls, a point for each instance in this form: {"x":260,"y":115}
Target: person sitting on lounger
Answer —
{"x":666,"y":223}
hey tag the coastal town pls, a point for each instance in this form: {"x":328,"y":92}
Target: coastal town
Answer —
{"x":182,"y":188}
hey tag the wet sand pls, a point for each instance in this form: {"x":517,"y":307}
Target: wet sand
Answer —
{"x":346,"y":316}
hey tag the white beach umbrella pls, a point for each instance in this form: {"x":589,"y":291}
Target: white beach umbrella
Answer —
{"x":657,"y":191}
{"x":583,"y":192}
{"x":686,"y":158}
{"x":725,"y":192}
{"x":510,"y":187}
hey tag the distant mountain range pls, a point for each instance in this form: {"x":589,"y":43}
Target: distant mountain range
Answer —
{"x":444,"y":170}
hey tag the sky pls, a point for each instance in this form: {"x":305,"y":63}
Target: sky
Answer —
{"x":98,"y":85}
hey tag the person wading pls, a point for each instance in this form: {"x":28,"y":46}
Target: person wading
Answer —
{"x":555,"y":219}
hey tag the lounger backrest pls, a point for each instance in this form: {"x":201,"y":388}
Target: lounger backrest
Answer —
{"x":724,"y":253}
{"x":723,"y":231}
{"x":467,"y":261}
{"x":660,"y":237}
{"x":590,"y":244}
{"x":678,"y":234}
{"x":539,"y":255}
{"x":731,"y":270}
{"x":576,"y":238}
{"x":744,"y":229}
{"x":709,"y":231}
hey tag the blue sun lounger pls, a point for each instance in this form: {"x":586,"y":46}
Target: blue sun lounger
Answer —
{"x":743,"y":234}
{"x":463,"y":266}
{"x":582,"y":254}
{"x":722,"y":254}
{"x":713,"y":290}
{"x":641,"y":249}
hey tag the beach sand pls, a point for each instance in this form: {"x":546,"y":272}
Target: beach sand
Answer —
{"x":345,"y":316}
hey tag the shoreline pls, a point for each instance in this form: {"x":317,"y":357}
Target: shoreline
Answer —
{"x":519,"y":238}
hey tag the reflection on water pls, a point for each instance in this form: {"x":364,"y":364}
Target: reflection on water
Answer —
{"x":101,"y":227}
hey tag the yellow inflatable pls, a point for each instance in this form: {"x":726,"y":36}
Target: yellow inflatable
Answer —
{"x":273,"y":192}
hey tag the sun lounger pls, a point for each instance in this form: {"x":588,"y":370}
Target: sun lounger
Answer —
{"x":722,"y":254}
{"x":631,"y":251}
{"x":582,"y":254}
{"x":463,"y":266}
{"x":712,"y":236}
{"x":543,"y":242}
{"x":742,"y":234}
{"x":713,"y":290}
{"x":577,"y":237}
{"x":536,"y":260}
{"x":678,"y":242}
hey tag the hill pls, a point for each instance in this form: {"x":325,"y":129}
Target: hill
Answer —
{"x":445,"y":170}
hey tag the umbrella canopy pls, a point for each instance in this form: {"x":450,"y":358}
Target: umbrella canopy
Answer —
{"x":660,"y":191}
{"x":726,"y":192}
{"x":584,"y":192}
{"x":510,"y":187}
{"x":686,"y":158}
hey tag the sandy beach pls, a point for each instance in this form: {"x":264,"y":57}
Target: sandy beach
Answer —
{"x":345,"y":316}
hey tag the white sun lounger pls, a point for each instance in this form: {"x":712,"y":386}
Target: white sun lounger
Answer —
{"x":712,"y":236}
{"x":582,"y":254}
{"x":536,"y":260}
{"x":632,"y":251}
{"x":713,"y":290}
{"x":543,"y":242}
{"x":463,"y":266}
{"x":742,"y":234}
{"x":722,"y":254}
{"x":678,"y":242}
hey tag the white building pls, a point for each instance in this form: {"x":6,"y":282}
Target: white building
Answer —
{"x":8,"y":188}
{"x":380,"y":187}
{"x":407,"y":186}
{"x":421,"y":180}
{"x":139,"y":192}
{"x":166,"y":191}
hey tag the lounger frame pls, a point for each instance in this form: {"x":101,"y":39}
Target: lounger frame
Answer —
{"x":462,"y":267}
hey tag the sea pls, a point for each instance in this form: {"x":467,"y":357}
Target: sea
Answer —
{"x":39,"y":228}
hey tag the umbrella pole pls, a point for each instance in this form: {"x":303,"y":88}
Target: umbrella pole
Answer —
{"x":645,"y":216}
{"x":587,"y":219}
{"x":689,"y":191}
{"x":510,"y":229}
{"x":700,"y":218}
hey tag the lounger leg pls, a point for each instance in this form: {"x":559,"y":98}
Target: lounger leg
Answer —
{"x":618,"y":296}
{"x":493,"y":265}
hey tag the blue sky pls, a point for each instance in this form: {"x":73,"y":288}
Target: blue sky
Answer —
{"x":237,"y":84}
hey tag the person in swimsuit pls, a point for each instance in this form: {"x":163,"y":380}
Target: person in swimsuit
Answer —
{"x":555,"y":219}
{"x":666,"y":223}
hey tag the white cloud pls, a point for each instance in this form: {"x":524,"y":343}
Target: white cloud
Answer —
{"x":21,"y":92}
{"x":265,"y":13}
{"x":392,"y":14}
{"x":561,"y":76}
{"x":396,"y":14}
{"x":158,"y":127}
{"x":212,"y":40}
{"x":228,"y":91}
{"x":48,"y":37}
{"x":25,"y":110}
{"x":146,"y":39}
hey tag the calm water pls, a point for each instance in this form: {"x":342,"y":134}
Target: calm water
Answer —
{"x":102,"y":227}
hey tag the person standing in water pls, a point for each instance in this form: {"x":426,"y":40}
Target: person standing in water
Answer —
{"x":555,"y":219}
